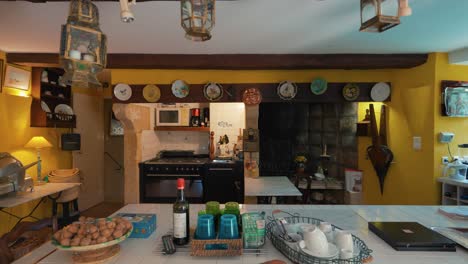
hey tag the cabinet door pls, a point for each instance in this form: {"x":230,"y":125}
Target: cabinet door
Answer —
{"x":219,"y":185}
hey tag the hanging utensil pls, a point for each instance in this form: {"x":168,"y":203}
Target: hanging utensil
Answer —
{"x":380,"y":155}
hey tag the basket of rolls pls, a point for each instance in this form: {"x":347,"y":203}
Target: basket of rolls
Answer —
{"x":93,"y":239}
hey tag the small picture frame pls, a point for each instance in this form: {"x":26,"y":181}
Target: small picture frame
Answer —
{"x":17,"y":78}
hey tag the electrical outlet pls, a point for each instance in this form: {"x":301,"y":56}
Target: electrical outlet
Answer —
{"x":456,"y":157}
{"x":445,"y":160}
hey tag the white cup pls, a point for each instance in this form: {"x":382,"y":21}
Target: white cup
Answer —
{"x":75,"y":54}
{"x":327,"y":230}
{"x":315,"y":241}
{"x":346,"y":254}
{"x":88,"y":57}
{"x":344,"y":240}
{"x":304,"y":227}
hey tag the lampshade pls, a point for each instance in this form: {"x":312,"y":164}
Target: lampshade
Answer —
{"x":38,"y":142}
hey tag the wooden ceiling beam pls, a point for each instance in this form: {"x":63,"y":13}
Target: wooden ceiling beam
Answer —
{"x":45,"y":1}
{"x":237,"y":61}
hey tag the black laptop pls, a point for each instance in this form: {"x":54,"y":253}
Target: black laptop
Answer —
{"x":411,"y":236}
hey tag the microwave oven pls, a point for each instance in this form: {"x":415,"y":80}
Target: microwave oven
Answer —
{"x":173,"y":116}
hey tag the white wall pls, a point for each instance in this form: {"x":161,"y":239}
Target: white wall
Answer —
{"x":227,"y":119}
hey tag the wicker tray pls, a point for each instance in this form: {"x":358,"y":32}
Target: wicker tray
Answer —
{"x":231,"y":247}
{"x":297,"y":256}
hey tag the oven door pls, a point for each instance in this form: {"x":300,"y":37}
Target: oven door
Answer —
{"x":163,"y":188}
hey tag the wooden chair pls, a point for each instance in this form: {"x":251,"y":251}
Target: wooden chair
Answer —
{"x":303,"y":181}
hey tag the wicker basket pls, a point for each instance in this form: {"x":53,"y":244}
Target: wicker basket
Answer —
{"x":221,"y":247}
{"x":297,"y":256}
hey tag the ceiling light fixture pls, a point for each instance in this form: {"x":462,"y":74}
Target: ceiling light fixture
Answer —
{"x":405,"y":9}
{"x":83,"y":46}
{"x":125,"y":13}
{"x":379,"y":15}
{"x":197,"y":18}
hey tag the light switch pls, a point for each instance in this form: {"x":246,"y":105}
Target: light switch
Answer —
{"x":417,"y":143}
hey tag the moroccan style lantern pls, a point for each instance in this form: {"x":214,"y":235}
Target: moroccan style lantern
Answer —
{"x":82,"y":46}
{"x":197,"y":18}
{"x":379,"y":15}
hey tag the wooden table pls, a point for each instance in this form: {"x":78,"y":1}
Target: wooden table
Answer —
{"x":40,"y":192}
{"x":350,"y":217}
{"x":266,"y":187}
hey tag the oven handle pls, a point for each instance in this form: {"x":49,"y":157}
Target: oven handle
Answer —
{"x":220,"y":169}
{"x":172,"y":175}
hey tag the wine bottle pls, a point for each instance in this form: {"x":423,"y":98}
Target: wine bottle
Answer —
{"x":181,"y":215}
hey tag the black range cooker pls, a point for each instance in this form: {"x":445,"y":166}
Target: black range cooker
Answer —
{"x":158,"y":176}
{"x":206,"y":180}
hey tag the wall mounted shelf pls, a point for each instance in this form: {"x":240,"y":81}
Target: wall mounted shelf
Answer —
{"x":182,"y":128}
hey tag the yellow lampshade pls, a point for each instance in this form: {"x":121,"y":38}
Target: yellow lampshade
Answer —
{"x":38,"y":142}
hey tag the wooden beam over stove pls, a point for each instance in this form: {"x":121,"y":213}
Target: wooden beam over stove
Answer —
{"x":237,"y":61}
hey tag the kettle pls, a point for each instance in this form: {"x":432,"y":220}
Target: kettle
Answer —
{"x":456,"y":170}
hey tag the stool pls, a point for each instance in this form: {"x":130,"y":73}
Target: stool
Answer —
{"x":68,"y":216}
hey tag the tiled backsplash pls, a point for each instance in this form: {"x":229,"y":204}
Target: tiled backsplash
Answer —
{"x":153,"y":142}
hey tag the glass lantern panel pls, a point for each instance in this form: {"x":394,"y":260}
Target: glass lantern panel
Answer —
{"x":389,"y":7}
{"x":186,"y":9}
{"x":187,"y":23}
{"x":368,"y":10}
{"x":86,"y":42}
{"x":197,"y":22}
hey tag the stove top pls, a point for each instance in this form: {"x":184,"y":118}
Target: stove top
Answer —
{"x":179,"y":161}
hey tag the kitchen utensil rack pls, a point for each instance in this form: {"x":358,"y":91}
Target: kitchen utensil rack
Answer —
{"x":276,"y":232}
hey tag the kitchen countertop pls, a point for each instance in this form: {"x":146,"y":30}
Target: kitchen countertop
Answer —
{"x":350,"y":217}
{"x":270,"y":186}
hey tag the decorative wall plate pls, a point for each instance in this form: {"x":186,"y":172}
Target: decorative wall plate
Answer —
{"x":122,"y":91}
{"x":63,"y":109}
{"x":180,"y":89}
{"x":287,"y":90}
{"x":151,"y":93}
{"x":213,"y":91}
{"x":252,"y":96}
{"x":351,"y":92}
{"x":380,"y":92}
{"x":318,"y":86}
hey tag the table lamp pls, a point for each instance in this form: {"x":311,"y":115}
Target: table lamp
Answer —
{"x":38,"y":143}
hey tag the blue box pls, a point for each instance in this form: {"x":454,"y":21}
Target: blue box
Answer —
{"x":143,"y":224}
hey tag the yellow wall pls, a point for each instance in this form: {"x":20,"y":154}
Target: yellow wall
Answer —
{"x":457,"y":125}
{"x":14,"y":134}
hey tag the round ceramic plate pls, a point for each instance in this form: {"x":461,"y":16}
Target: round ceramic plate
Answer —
{"x":252,"y":96}
{"x":213,"y":91}
{"x":319,"y":86}
{"x":45,"y":107}
{"x":151,"y":93}
{"x":333,"y":251}
{"x":122,"y":91}
{"x":63,"y":109}
{"x":351,"y":92}
{"x":180,"y":89}
{"x":380,"y":92}
{"x":287,"y":90}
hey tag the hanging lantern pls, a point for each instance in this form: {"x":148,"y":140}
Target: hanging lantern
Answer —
{"x":197,"y":18}
{"x":379,"y":15}
{"x":82,"y":45}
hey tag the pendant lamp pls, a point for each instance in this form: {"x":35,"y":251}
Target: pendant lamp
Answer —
{"x":83,"y":46}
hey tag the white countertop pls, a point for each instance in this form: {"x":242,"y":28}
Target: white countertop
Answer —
{"x":448,"y":180}
{"x":353,"y":218}
{"x":270,"y":186}
{"x":17,"y":198}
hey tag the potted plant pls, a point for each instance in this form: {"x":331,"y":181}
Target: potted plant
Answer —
{"x":300,"y":161}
